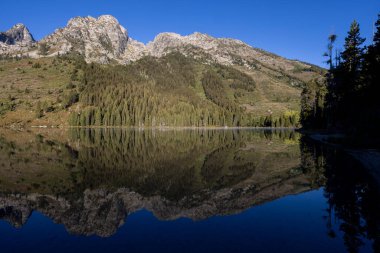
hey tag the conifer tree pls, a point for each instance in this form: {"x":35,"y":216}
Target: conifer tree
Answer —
{"x":330,"y":48}
{"x":372,"y":64}
{"x":353,"y":51}
{"x":376,"y":38}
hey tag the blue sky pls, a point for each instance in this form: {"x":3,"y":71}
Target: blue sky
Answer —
{"x":295,"y":29}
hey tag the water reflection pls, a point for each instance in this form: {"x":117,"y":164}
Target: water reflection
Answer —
{"x":90,"y":180}
{"x":352,"y":195}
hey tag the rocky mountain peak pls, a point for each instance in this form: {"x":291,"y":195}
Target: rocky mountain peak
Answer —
{"x":162,"y":41}
{"x":18,"y":35}
{"x":220,"y":50}
{"x":18,"y":26}
{"x":104,"y":20}
{"x":80,"y":21}
{"x":167,"y":35}
{"x":98,"y":39}
{"x":200,"y":36}
{"x":108,"y":19}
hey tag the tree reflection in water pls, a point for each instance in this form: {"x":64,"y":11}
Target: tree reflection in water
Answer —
{"x":90,"y":180}
{"x":352,"y":195}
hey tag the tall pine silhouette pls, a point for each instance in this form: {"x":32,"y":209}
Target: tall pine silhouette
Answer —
{"x":351,"y":103}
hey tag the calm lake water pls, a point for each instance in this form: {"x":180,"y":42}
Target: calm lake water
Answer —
{"x":119,"y":190}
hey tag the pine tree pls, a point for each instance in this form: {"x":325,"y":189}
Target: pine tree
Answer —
{"x":376,"y":38}
{"x":344,"y":81}
{"x":330,"y":46}
{"x":353,"y":54}
{"x":371,"y":83}
{"x":372,"y":64}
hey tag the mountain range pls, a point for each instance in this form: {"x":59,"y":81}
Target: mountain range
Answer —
{"x":103,"y":39}
{"x":278,"y":81}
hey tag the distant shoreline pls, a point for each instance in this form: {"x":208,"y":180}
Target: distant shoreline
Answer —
{"x":155,"y":128}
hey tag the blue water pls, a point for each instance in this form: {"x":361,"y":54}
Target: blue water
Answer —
{"x":88,"y":185}
{"x":290,"y":224}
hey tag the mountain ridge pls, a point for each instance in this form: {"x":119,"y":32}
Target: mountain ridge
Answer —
{"x":104,"y":39}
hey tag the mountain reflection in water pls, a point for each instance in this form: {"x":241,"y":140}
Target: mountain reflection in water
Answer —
{"x":90,"y":180}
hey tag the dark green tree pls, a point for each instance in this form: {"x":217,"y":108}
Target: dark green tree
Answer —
{"x":344,"y":82}
{"x":372,"y":64}
{"x":353,"y":50}
{"x":330,"y":48}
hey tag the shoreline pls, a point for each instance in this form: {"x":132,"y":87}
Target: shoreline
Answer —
{"x":369,"y":158}
{"x":150,"y":128}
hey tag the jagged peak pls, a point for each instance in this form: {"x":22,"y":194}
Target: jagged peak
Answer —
{"x":171,"y":36}
{"x":168,"y":35}
{"x":18,"y":34}
{"x":196,"y":36}
{"x":199,"y":35}
{"x":19,"y":26}
{"x":89,"y":21}
{"x":108,"y":18}
{"x":207,"y":37}
{"x":102,"y":19}
{"x":79,"y":19}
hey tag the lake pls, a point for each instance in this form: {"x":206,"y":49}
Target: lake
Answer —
{"x":125,"y":190}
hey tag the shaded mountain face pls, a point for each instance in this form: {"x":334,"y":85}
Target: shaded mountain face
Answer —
{"x":91,"y":180}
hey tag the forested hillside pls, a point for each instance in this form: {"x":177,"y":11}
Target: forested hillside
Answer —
{"x":173,"y":90}
{"x":170,"y":91}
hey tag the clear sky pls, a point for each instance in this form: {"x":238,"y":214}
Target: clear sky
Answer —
{"x":296,"y":29}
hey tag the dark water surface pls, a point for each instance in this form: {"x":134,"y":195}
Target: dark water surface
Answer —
{"x":119,"y":190}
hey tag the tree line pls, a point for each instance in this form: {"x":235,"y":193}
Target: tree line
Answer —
{"x":347,"y":99}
